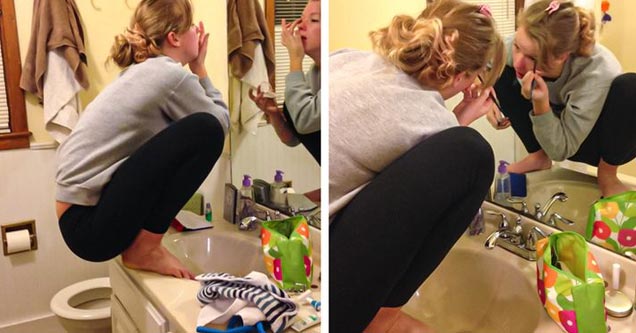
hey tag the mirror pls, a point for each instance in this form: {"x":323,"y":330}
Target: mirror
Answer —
{"x":255,"y":148}
{"x":576,"y":180}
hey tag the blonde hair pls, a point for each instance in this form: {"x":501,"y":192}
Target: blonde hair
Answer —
{"x":569,"y":29}
{"x":449,"y":37}
{"x":149,"y":26}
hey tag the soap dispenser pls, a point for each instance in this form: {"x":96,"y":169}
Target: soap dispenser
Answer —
{"x":246,"y":199}
{"x":502,"y":184}
{"x":278,"y":190}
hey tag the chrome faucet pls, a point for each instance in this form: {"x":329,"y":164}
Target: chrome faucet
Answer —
{"x":515,"y":240}
{"x":511,"y":235}
{"x":539,"y":212}
{"x":556,"y":217}
{"x":250,"y":222}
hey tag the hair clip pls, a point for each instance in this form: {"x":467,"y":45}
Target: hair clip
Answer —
{"x":485,"y":10}
{"x":553,"y":7}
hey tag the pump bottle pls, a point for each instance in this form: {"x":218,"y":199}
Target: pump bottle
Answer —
{"x":278,"y":190}
{"x":246,"y":199}
{"x":502,"y":184}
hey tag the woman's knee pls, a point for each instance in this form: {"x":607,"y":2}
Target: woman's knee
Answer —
{"x":624,"y":86}
{"x":470,"y":144}
{"x":204,"y":127}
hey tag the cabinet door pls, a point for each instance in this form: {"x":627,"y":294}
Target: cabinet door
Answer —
{"x":121,"y":321}
{"x":141,"y":311}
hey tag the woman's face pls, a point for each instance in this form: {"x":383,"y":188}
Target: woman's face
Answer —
{"x":309,"y":29}
{"x":190,"y":43}
{"x":525,"y":52}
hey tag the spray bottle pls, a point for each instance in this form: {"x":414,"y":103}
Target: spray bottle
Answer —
{"x":502,"y":184}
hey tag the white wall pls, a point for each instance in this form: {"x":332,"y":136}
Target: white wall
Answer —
{"x":30,"y":279}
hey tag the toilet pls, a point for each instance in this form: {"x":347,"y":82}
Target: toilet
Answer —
{"x":84,"y":307}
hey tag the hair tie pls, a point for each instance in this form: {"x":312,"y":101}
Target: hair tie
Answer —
{"x":485,"y":10}
{"x":553,"y":7}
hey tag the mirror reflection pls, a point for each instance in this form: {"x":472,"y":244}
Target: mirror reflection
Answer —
{"x":567,"y":94}
{"x":275,"y":104}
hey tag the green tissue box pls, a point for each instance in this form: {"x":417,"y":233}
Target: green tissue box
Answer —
{"x":195,"y":204}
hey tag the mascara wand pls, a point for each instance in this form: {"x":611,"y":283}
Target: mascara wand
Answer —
{"x":534,"y":81}
{"x":495,"y":100}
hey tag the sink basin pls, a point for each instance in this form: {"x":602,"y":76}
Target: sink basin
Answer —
{"x":478,"y":291}
{"x":220,"y":249}
{"x":581,"y":195}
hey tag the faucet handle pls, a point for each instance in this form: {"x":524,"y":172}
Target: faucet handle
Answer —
{"x":517,"y":229}
{"x":524,"y":205}
{"x":503,"y":225}
{"x":533,"y":235}
{"x":556,"y":217}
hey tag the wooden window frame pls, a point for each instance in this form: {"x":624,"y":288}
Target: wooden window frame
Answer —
{"x":19,"y":136}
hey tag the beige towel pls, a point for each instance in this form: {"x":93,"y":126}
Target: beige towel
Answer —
{"x":56,"y":25}
{"x":246,"y":26}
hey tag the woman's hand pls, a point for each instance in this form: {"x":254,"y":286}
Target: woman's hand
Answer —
{"x":290,"y":38}
{"x":474,"y":105}
{"x":197,"y":65}
{"x":266,"y":104}
{"x":495,"y":117}
{"x":534,"y":88}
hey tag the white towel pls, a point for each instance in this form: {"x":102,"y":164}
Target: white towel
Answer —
{"x":252,"y":297}
{"x":60,"y":99}
{"x":245,"y":114}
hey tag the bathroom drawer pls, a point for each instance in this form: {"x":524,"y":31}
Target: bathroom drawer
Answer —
{"x":143,"y":313}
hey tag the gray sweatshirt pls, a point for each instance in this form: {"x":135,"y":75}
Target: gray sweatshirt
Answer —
{"x":376,"y":114}
{"x":140,"y":103}
{"x":580,"y":92}
{"x":302,"y":98}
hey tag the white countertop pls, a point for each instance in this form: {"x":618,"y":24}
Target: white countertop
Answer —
{"x":176,"y":298}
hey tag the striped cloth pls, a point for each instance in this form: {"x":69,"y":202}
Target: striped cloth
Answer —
{"x":255,"y":288}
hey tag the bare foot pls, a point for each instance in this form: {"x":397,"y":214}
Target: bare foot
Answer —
{"x":393,"y":320}
{"x":533,"y":162}
{"x":146,"y":253}
{"x":608,"y":181}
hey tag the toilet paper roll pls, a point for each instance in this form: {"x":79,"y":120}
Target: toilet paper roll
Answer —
{"x":18,"y":241}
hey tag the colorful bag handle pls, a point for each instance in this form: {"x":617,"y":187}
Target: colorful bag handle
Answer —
{"x":570,"y":284}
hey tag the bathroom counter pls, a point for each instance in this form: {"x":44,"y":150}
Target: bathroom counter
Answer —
{"x":604,"y":257}
{"x":176,"y":298}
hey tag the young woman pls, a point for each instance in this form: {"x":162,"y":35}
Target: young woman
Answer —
{"x":564,"y":95}
{"x":406,"y":177}
{"x":144,"y":145}
{"x":299,"y":120}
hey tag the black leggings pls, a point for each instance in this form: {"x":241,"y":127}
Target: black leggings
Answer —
{"x":311,"y":141}
{"x":147,"y":190}
{"x":612,"y":138}
{"x":394,"y":233}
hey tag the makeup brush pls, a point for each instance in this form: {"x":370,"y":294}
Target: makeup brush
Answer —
{"x":534,"y":81}
{"x":495,"y":100}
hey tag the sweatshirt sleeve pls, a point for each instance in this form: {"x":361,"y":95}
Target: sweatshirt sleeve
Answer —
{"x":192,"y":95}
{"x":562,"y":137}
{"x":302,"y":104}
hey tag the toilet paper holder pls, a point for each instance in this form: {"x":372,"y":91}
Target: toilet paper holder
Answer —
{"x":26,"y":225}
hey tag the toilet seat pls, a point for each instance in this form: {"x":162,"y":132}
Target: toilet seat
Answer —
{"x":60,"y":302}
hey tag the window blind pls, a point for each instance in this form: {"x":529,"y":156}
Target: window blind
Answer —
{"x":503,"y":11}
{"x":290,"y":10}
{"x":4,"y":103}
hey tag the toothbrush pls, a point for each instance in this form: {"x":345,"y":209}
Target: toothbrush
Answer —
{"x":315,"y":304}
